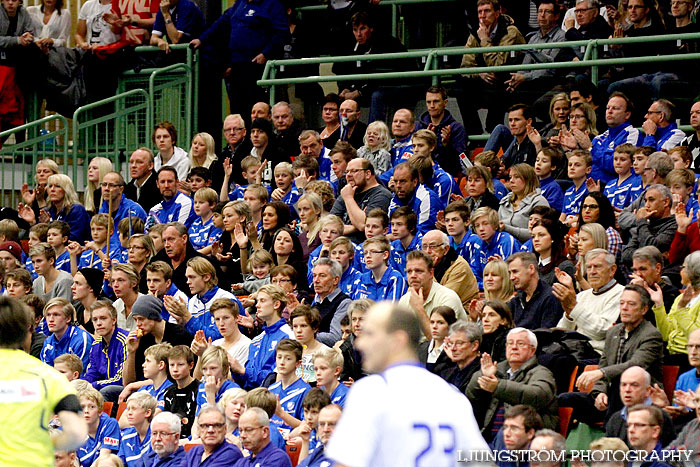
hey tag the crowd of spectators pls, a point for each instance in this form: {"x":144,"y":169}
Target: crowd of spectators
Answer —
{"x":219,"y":297}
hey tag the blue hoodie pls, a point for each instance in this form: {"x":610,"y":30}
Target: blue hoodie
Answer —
{"x":604,"y":146}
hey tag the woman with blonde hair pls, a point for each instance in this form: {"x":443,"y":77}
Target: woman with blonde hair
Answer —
{"x":376,"y":147}
{"x":98,"y":167}
{"x":64,"y":205}
{"x":497,"y":283}
{"x":309,"y":208}
{"x":515,"y":207}
{"x":582,"y":128}
{"x":37,"y":198}
{"x":589,"y":237}
{"x":559,"y":109}
{"x":232,"y":404}
{"x":202,"y":150}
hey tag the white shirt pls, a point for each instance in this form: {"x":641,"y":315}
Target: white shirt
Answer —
{"x":389,"y":421}
{"x":98,"y":31}
{"x":125,"y":322}
{"x":180,"y":161}
{"x":239,"y":350}
{"x":58,"y":27}
{"x":439,"y":295}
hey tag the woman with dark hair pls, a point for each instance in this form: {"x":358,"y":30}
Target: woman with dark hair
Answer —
{"x":429,"y":352}
{"x":287,"y":249}
{"x":52,"y":22}
{"x":496,"y":321}
{"x":480,"y":189}
{"x":548,"y":243}
{"x":330,"y":114}
{"x":275,"y":215}
{"x":596,"y":208}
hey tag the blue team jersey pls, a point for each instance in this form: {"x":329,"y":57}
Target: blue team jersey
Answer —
{"x":203,"y":234}
{"x":340,"y":393}
{"x":527,"y":246}
{"x":290,"y":399}
{"x":499,"y":189}
{"x":291,"y":198}
{"x":132,"y":449}
{"x":29,"y":266}
{"x":350,"y":281}
{"x":553,"y":193}
{"x":502,"y":244}
{"x":107,"y":436}
{"x":398,"y":252}
{"x":90,"y":259}
{"x":202,"y":394}
{"x":603,"y":149}
{"x":619,"y":193}
{"x":391,"y":286}
{"x":637,"y":189}
{"x":443,"y":184}
{"x":573,"y":197}
{"x":401,"y":150}
{"x":74,"y":340}
{"x":425,"y":203}
{"x":63,"y":262}
{"x":158,"y":392}
{"x":178,"y":209}
{"x":262,"y":351}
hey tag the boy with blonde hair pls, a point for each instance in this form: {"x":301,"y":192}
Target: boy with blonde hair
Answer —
{"x":328,"y":363}
{"x":136,"y":438}
{"x":260,"y":264}
{"x":69,"y":365}
{"x":202,"y":233}
{"x":252,"y":173}
{"x":103,"y":431}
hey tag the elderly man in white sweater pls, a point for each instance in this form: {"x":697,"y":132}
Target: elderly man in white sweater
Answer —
{"x":591,"y":312}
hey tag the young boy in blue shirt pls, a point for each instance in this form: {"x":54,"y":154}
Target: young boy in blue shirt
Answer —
{"x":101,"y":227}
{"x":492,"y":242}
{"x":456,"y":219}
{"x":406,"y":238}
{"x":580,"y":164}
{"x":103,"y":431}
{"x":342,"y":250}
{"x":681,"y":183}
{"x":328,"y":363}
{"x":619,"y":190}
{"x":289,"y":388}
{"x":548,"y":162}
{"x":202,"y":233}
{"x":314,"y":401}
{"x":57,"y":236}
{"x":136,"y":438}
{"x":381,"y":281}
{"x":250,"y":165}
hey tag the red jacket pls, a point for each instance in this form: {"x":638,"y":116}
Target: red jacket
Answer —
{"x":684,"y":244}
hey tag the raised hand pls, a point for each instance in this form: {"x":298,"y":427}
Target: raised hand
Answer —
{"x":683,"y":219}
{"x":26,"y":212}
{"x":240,"y":236}
{"x":488,"y":367}
{"x":592,"y":185}
{"x":655,"y":292}
{"x":28,"y":195}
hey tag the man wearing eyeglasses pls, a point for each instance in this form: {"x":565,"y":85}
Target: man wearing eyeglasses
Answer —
{"x":462,"y":351}
{"x":254,"y":427}
{"x":237,"y":147}
{"x":165,"y":436}
{"x":587,"y":23}
{"x":644,"y":424}
{"x":122,"y":207}
{"x":518,"y":380}
{"x":214,"y":450}
{"x":660,"y":130}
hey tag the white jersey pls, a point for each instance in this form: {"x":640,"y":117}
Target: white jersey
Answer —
{"x":405,"y":416}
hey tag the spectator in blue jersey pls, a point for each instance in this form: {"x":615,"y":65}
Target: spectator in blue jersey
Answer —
{"x":254,"y":427}
{"x":328,"y":418}
{"x":381,"y":281}
{"x":136,"y":438}
{"x":579,"y":168}
{"x":57,"y":237}
{"x":176,"y":206}
{"x":64,"y":338}
{"x":215,"y":450}
{"x":548,"y":163}
{"x":177,"y":22}
{"x":310,"y":145}
{"x":331,"y":227}
{"x":108,"y":351}
{"x":270,"y":301}
{"x":515,"y":207}
{"x":681,"y":183}
{"x":63,"y":205}
{"x":203,"y":233}
{"x":91,"y":257}
{"x":620,"y":130}
{"x":452,"y":138}
{"x":122,"y":207}
{"x":155,"y":372}
{"x":659,"y":128}
{"x":456,"y":220}
{"x":103,"y":432}
{"x":402,"y":127}
{"x":216,"y":372}
{"x":619,"y":190}
{"x":289,"y":388}
{"x":251,"y":170}
{"x":330,"y":301}
{"x":203,"y":286}
{"x":286,"y":189}
{"x":492,"y":243}
{"x":410,"y":192}
{"x":406,"y":238}
{"x":534,"y":306}
{"x":492,"y":162}
{"x":165,"y":437}
{"x":480,"y":189}
{"x":342,"y":250}
{"x":432,"y":174}
{"x":328,"y":364}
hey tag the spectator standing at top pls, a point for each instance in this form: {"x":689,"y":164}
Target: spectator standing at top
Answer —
{"x":256,"y":32}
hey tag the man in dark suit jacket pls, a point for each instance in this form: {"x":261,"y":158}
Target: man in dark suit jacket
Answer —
{"x":143,"y":187}
{"x":632,"y":342}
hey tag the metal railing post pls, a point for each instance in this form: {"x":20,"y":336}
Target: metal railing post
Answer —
{"x":594,"y":68}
